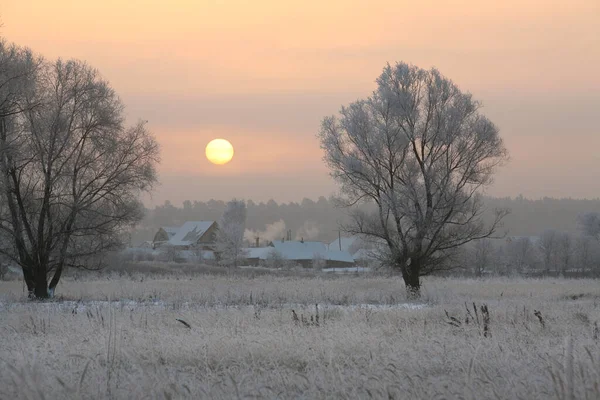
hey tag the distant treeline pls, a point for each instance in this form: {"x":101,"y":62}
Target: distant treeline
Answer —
{"x":320,"y":219}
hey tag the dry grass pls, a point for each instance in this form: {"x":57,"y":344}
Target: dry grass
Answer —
{"x":244,"y":342}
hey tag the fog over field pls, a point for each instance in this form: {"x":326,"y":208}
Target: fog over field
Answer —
{"x":318,"y":219}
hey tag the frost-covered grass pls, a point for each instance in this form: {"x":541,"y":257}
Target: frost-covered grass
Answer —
{"x":244,"y":341}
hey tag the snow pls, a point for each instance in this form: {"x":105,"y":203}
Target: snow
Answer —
{"x":295,"y":250}
{"x":82,"y":306}
{"x":346,"y":243}
{"x":299,"y":251}
{"x":348,"y":269}
{"x":170,"y":230}
{"x":190,"y":233}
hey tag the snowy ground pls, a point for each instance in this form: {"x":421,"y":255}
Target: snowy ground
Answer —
{"x":347,"y":270}
{"x":159,"y":305}
{"x":243,"y":340}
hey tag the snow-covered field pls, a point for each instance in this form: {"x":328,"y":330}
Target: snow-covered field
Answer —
{"x":121,"y":338}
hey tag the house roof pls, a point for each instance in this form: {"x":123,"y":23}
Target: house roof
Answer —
{"x":346,"y":243}
{"x":298,"y":251}
{"x":295,"y":250}
{"x":190,"y":233}
{"x":171,"y":230}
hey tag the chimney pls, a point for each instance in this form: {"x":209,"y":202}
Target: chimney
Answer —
{"x":257,"y":241}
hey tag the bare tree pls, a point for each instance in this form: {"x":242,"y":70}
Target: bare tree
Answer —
{"x":521,"y":254}
{"x":71,"y":173}
{"x":230,"y":237}
{"x":565,"y":251}
{"x":548,"y":246}
{"x":590,"y":224}
{"x":482,"y":256}
{"x":420,"y":150}
{"x":585,"y":252}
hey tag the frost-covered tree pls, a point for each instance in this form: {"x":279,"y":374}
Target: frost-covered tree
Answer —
{"x":420,"y":150}
{"x":71,"y":172}
{"x":586,"y":253}
{"x":565,"y":251}
{"x":230,"y":236}
{"x":318,"y":262}
{"x":590,"y":224}
{"x":548,"y":246}
{"x":482,"y":256}
{"x":521,"y":254}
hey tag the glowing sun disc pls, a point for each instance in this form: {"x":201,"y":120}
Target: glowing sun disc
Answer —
{"x":219,"y":151}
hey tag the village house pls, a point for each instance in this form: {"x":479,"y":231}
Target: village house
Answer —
{"x":191,"y":235}
{"x":302,"y":253}
{"x":364,"y":251}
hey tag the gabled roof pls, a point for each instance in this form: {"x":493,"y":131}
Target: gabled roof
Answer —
{"x":190,"y":233}
{"x":346,"y":242}
{"x":294,"y":250}
{"x":170,"y":230}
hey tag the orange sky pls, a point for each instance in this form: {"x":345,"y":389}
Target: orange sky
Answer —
{"x":262,"y":74}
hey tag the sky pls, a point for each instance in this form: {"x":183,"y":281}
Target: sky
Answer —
{"x":263,"y":73}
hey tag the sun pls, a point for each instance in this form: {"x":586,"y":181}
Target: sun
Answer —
{"x":219,"y":151}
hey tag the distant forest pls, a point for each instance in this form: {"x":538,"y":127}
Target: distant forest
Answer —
{"x":320,"y":219}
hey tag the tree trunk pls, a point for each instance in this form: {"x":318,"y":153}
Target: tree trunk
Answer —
{"x":55,"y":279}
{"x":412,"y":282}
{"x":29,"y":280}
{"x":411,"y":274}
{"x":41,"y":282}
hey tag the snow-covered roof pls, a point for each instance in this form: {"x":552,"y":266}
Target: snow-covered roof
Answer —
{"x":295,"y":250}
{"x":346,"y":243}
{"x":298,"y":251}
{"x":170,"y":230}
{"x":336,"y":255}
{"x":190,"y":233}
